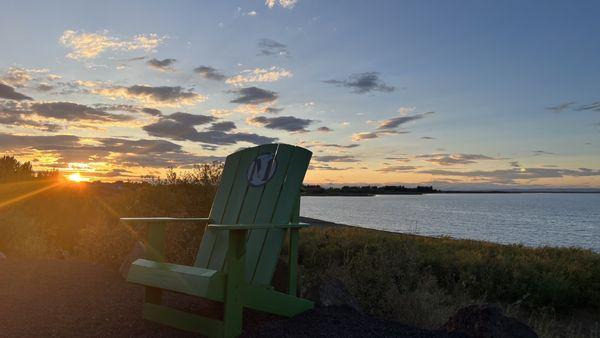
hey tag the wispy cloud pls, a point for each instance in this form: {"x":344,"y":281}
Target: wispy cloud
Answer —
{"x":594,"y":106}
{"x":542,"y":152}
{"x":89,"y":45}
{"x":375,"y":134}
{"x":514,"y":175}
{"x":397,"y":168}
{"x":335,"y":158}
{"x":454,"y":159}
{"x":560,"y":107}
{"x":400,"y":120}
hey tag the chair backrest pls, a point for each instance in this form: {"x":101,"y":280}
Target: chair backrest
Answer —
{"x":258,"y":185}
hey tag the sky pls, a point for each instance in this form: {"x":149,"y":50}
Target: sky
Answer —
{"x":454,"y":94}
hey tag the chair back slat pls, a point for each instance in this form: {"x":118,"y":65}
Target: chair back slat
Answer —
{"x":240,"y":199}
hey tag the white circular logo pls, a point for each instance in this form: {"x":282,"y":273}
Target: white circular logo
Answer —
{"x":262,"y":169}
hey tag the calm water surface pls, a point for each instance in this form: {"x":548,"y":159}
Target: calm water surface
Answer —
{"x":529,"y":218}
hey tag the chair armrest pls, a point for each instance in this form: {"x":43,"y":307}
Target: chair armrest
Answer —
{"x":156,"y":233}
{"x":256,"y":226}
{"x":164,"y":219}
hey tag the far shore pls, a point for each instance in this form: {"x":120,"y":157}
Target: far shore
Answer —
{"x":461,"y":192}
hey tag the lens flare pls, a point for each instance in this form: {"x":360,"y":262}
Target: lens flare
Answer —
{"x":76,"y":177}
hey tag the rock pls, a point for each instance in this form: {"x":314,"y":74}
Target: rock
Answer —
{"x":2,"y":256}
{"x":487,"y":321}
{"x":136,"y":252}
{"x":333,"y":292}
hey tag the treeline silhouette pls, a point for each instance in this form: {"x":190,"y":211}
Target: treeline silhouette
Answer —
{"x":12,"y":170}
{"x":367,"y":190}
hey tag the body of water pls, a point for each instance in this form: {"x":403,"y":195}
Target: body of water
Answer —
{"x":532,"y":219}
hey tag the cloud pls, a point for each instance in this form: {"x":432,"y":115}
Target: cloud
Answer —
{"x":90,"y":45}
{"x":542,"y":152}
{"x":400,"y":120}
{"x":119,"y":151}
{"x":427,"y":138}
{"x":190,"y":119}
{"x":594,"y":106}
{"x":283,"y":3}
{"x":324,"y":129}
{"x":560,"y":107}
{"x":453,"y":159}
{"x":223,"y":126}
{"x":259,"y":75}
{"x":375,"y":134}
{"x":75,"y":112}
{"x":8,"y":92}
{"x":11,"y":120}
{"x":515,"y":164}
{"x":43,"y":87}
{"x":156,"y":96}
{"x":20,"y":77}
{"x":210,"y":73}
{"x":35,"y":115}
{"x":253,"y":96}
{"x":506,"y":176}
{"x":165,"y":65}
{"x":397,"y":168}
{"x":272,"y":110}
{"x":397,"y":158}
{"x":181,"y":128}
{"x":152,"y":111}
{"x":326,"y":167}
{"x":268,"y":47}
{"x":319,"y":144}
{"x":363,"y":83}
{"x":335,"y":158}
{"x":288,"y":123}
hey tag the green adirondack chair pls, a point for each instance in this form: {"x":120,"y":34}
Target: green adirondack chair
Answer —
{"x":256,"y":205}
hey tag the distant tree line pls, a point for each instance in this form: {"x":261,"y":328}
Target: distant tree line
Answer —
{"x":11,"y":170}
{"x":367,"y":190}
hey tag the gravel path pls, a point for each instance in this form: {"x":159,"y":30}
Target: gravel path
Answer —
{"x":67,"y":298}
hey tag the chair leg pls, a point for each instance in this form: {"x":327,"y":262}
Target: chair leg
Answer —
{"x":233,"y":312}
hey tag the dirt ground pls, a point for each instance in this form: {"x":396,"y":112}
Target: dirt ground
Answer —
{"x":69,"y":298}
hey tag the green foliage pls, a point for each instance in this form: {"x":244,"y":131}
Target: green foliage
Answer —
{"x":559,"y":278}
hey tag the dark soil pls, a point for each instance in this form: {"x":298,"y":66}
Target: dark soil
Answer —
{"x":65,"y":298}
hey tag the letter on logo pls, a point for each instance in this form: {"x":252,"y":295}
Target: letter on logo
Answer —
{"x":262,"y":169}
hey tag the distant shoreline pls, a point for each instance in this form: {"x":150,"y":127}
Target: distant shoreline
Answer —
{"x":454,"y":192}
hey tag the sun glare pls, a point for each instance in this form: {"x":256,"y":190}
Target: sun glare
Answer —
{"x":76,"y":177}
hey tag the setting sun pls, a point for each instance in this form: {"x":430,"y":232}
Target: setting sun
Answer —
{"x":76,"y":177}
